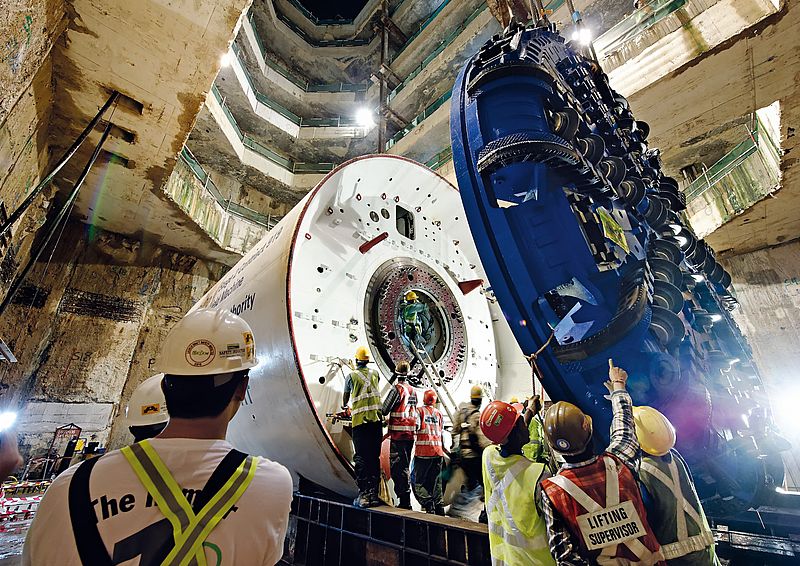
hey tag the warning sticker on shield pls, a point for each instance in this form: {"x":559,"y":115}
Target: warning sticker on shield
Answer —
{"x":612,"y":230}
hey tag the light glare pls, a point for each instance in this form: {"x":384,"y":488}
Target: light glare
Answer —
{"x":225,"y":60}
{"x":7,"y":419}
{"x":364,"y":117}
{"x":582,"y":36}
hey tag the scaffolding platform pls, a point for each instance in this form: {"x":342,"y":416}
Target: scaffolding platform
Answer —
{"x":329,"y":533}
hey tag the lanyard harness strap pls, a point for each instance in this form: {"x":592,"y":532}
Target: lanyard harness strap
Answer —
{"x":215,"y":494}
{"x":190,"y":530}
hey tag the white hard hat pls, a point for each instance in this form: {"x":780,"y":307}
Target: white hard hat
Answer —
{"x":147,"y":405}
{"x":208,"y":342}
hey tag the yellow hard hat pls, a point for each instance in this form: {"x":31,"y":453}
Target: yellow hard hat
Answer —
{"x":362,"y":354}
{"x":655,"y":433}
{"x":402,"y":366}
{"x":476,"y":392}
{"x":514,"y":399}
{"x":411,"y":296}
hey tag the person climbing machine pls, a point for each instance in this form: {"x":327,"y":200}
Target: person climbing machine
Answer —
{"x":416,"y":320}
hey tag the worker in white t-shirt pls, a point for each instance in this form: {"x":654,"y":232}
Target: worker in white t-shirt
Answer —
{"x":185,"y":495}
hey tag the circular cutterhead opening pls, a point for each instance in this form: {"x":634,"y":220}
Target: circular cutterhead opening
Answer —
{"x":429,"y":329}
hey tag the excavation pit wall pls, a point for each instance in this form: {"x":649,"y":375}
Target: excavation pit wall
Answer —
{"x":87,"y":328}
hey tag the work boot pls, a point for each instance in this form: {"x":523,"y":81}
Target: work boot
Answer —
{"x":405,"y":502}
{"x":362,"y":501}
{"x":374,"y":500}
{"x":439,"y":509}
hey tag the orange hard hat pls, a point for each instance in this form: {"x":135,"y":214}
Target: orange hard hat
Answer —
{"x":430,"y":398}
{"x":498,"y":420}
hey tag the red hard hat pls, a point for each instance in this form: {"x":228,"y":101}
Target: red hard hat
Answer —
{"x":520,"y":408}
{"x":429,"y":398}
{"x":498,"y":420}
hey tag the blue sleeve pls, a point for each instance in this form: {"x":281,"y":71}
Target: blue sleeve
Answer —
{"x":348,"y":384}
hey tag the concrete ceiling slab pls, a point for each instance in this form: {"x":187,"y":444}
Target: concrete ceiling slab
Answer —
{"x":163,"y":55}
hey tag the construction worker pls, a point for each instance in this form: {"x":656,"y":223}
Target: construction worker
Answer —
{"x":429,"y":455}
{"x":536,"y":449}
{"x":468,"y":440}
{"x":186,"y":496}
{"x":401,"y":406}
{"x":592,"y":506}
{"x":673,"y":507}
{"x":146,"y":413}
{"x":517,"y":532}
{"x":362,"y":386}
{"x":416,"y":320}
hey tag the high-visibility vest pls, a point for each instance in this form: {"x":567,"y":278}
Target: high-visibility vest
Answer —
{"x":602,"y":506}
{"x":536,"y":450}
{"x":190,"y":530}
{"x":403,"y":418}
{"x":677,"y":515}
{"x":517,"y":533}
{"x":429,"y":432}
{"x":365,"y":397}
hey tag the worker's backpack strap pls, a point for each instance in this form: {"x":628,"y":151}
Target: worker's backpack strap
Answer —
{"x":88,"y":541}
{"x":225,"y":469}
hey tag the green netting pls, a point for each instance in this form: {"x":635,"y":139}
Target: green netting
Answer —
{"x":721,"y":168}
{"x":436,"y":51}
{"x":293,"y":78}
{"x":189,"y":160}
{"x":263,"y":150}
{"x":419,"y":119}
{"x":744,"y":175}
{"x":422,"y":26}
{"x":440,"y":158}
{"x":637,"y":23}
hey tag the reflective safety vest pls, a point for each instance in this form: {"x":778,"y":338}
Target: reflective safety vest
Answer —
{"x":677,"y":516}
{"x":190,"y":530}
{"x":365,"y":397}
{"x":536,"y":450}
{"x":403,"y":418}
{"x":601,"y":504}
{"x":429,"y":432}
{"x":517,"y":533}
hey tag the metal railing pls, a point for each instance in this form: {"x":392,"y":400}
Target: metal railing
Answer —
{"x":733,"y":176}
{"x":422,"y":26}
{"x":318,"y":122}
{"x":635,"y":24}
{"x":436,"y":51}
{"x":357,"y":42}
{"x":333,"y":21}
{"x":268,"y":221}
{"x":434,"y":106}
{"x":294,"y":78}
{"x":444,"y":156}
{"x":256,"y":146}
